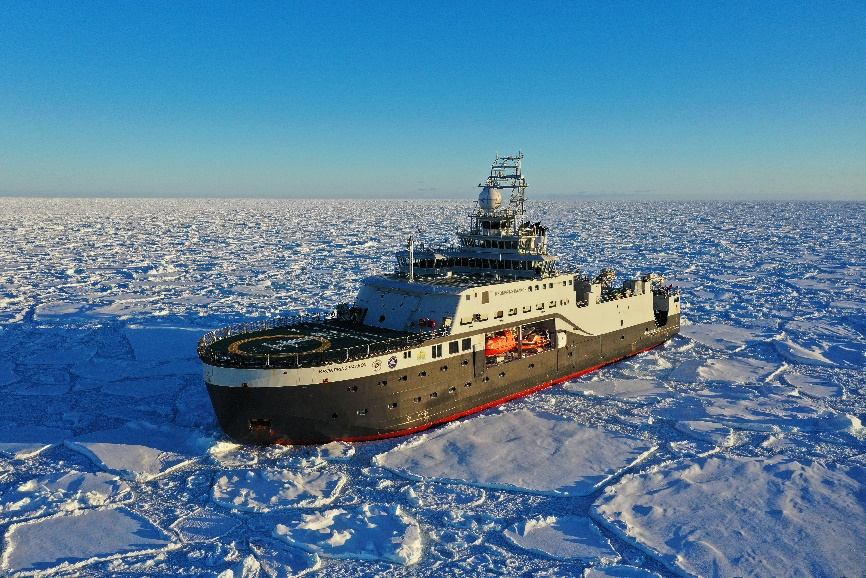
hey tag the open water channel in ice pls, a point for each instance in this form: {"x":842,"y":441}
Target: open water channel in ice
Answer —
{"x":737,"y":448}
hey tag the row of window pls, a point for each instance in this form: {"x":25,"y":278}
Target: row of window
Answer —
{"x":513,"y":311}
{"x":475,"y":263}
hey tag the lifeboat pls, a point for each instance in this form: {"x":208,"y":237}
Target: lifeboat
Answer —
{"x":501,"y":342}
{"x":536,"y":341}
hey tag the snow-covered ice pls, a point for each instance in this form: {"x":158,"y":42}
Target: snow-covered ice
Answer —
{"x":66,"y":541}
{"x":63,"y":491}
{"x":26,"y":441}
{"x":754,"y":414}
{"x":564,"y":538}
{"x":140,"y":450}
{"x":555,"y":455}
{"x":367,"y":532}
{"x":267,"y":490}
{"x":769,"y":516}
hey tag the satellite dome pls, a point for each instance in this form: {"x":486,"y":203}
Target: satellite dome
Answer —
{"x":489,"y":199}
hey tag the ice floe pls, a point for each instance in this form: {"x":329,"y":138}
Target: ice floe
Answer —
{"x":755,"y":410}
{"x":368,"y":532}
{"x":739,"y":371}
{"x":26,"y":441}
{"x":618,"y":572}
{"x":277,"y":560}
{"x":444,"y":497}
{"x":744,"y":516}
{"x":728,"y":338}
{"x":621,"y":389}
{"x":204,"y":525}
{"x":267,"y":490}
{"x":140,"y":451}
{"x":568,"y":537}
{"x":63,"y":491}
{"x":555,"y":455}
{"x":67,"y":541}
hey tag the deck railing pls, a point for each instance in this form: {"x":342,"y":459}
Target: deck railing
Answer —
{"x":309,"y":359}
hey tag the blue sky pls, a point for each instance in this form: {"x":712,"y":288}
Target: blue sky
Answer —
{"x":609,"y":100}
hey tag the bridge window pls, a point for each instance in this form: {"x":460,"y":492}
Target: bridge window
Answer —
{"x":453,"y":347}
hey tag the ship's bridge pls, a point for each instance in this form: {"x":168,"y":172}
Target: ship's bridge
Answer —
{"x":498,"y":242}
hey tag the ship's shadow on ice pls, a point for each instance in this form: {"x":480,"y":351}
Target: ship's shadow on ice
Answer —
{"x":128,"y":396}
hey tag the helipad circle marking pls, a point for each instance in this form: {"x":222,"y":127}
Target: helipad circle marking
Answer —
{"x":236,"y":346}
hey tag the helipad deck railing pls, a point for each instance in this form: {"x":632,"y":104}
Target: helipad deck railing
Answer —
{"x":309,"y":359}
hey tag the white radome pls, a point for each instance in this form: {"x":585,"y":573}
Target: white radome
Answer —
{"x":489,"y":199}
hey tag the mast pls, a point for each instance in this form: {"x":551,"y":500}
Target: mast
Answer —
{"x":411,"y":259}
{"x":499,"y":243}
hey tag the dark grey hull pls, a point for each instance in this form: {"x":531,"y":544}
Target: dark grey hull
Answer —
{"x":412,"y":400}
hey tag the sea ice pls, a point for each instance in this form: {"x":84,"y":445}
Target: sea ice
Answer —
{"x":146,"y":387}
{"x":728,"y":338}
{"x":336,"y":451}
{"x":814,"y":352}
{"x":267,"y":490}
{"x":435,"y":496}
{"x":812,"y":385}
{"x":707,"y":431}
{"x":25,"y":441}
{"x":367,"y":532}
{"x":740,"y":371}
{"x":565,"y":538}
{"x":278,"y":560}
{"x":744,"y":516}
{"x":161,"y":343}
{"x":140,"y":451}
{"x":204,"y":525}
{"x":99,"y":304}
{"x":748,"y":409}
{"x":621,"y":389}
{"x":63,"y":491}
{"x":534,"y":451}
{"x":618,"y":572}
{"x":66,"y":541}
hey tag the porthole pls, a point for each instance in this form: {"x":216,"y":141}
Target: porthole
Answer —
{"x":392,"y":405}
{"x":531,"y":366}
{"x":443,"y":368}
{"x":404,"y":377}
{"x":334,"y":416}
{"x":486,"y":379}
{"x":422,"y":374}
{"x":434,"y":395}
{"x":464,"y":363}
{"x":452,"y":389}
{"x":353,"y":388}
{"x":362,"y":411}
{"x":467,"y":384}
{"x":417,"y":400}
